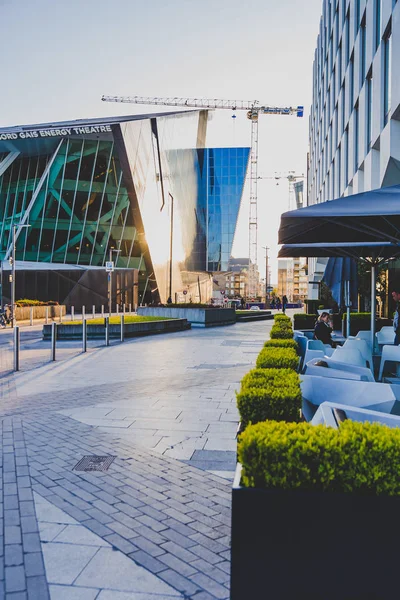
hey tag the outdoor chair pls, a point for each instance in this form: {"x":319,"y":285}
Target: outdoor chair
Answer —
{"x":333,"y":414}
{"x":351,"y":356}
{"x":312,"y":368}
{"x":310,"y":354}
{"x":315,"y":367}
{"x":363,"y":347}
{"x":389,"y":353}
{"x":318,"y":345}
{"x":362,"y":335}
{"x":364,"y":394}
{"x":385,"y":336}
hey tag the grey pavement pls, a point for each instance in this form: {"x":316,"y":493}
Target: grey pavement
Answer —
{"x":156,"y":524}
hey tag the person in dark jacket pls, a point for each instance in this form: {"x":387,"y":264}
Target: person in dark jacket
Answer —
{"x":284,"y":303}
{"x":323,"y":330}
{"x":396,"y":320}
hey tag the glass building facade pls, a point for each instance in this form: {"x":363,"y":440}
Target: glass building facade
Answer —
{"x":145,"y":186}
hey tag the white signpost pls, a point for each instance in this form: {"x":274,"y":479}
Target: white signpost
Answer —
{"x":109,"y":266}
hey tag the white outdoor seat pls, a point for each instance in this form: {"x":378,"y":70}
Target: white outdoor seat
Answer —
{"x":364,"y":373}
{"x":332,"y":413}
{"x":374,"y":396}
{"x":352,"y":356}
{"x":385,"y":336}
{"x":310,"y":354}
{"x":362,"y":335}
{"x":389,"y":353}
{"x":363,"y":347}
{"x":312,"y":369}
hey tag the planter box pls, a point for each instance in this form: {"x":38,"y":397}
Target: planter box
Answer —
{"x":262,"y":315}
{"x":197,"y":317}
{"x":313,"y":545}
{"x":305,"y":322}
{"x":74,"y":332}
{"x":364,"y":324}
{"x":23,"y":313}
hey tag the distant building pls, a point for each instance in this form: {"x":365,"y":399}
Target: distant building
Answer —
{"x":293,"y":279}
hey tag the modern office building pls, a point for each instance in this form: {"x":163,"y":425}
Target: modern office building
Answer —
{"x":355,"y":113}
{"x":292,"y":279}
{"x":145,"y":187}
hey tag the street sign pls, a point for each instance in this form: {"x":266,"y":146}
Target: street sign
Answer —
{"x":109,"y":266}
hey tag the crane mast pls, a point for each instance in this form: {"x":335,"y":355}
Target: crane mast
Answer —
{"x":254,"y":109}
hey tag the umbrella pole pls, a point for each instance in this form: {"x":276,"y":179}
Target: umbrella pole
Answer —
{"x":373,"y":301}
{"x":348,"y":308}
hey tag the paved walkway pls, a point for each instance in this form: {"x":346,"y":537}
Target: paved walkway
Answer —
{"x":156,"y":524}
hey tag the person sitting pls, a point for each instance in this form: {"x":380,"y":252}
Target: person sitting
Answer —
{"x":323,"y":330}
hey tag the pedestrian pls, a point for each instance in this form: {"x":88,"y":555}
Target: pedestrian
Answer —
{"x":284,"y":303}
{"x":396,"y":320}
{"x":273,"y":303}
{"x":278,"y":303}
{"x":323,"y":330}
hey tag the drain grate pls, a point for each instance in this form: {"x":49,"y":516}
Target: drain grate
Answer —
{"x":94,"y":463}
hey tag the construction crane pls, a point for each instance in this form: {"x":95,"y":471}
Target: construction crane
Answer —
{"x":291,"y":178}
{"x":254,"y":109}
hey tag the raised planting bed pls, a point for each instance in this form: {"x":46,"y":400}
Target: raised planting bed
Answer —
{"x":96,"y":330}
{"x":197,"y":317}
{"x":253,"y":315}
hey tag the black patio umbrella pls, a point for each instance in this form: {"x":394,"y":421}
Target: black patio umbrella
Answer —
{"x":374,"y":253}
{"x":367,"y":217}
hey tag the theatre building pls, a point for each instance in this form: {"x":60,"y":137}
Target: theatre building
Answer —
{"x":144,"y":190}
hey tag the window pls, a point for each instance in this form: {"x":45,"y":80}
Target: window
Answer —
{"x":339,"y":65}
{"x":356,"y":133}
{"x":346,"y":158}
{"x":369,"y":113}
{"x":356,"y":17}
{"x":351,"y":84}
{"x":347,"y":37}
{"x":333,"y":179}
{"x":343,"y":106}
{"x":363,"y":53}
{"x":339,"y":169}
{"x":377,"y":23}
{"x":387,"y":81}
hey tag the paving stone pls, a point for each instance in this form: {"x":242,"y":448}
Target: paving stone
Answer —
{"x":13,"y":555}
{"x":15,"y":579}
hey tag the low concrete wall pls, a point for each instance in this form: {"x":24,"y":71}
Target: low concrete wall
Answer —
{"x":197,"y":317}
{"x":74,"y":332}
{"x":255,"y":316}
{"x":23,"y":313}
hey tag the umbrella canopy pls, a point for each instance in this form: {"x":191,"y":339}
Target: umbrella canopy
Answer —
{"x":373,"y":252}
{"x":341,"y":276}
{"x":368,"y":217}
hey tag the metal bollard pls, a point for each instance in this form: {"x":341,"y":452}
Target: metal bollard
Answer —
{"x":130,"y":309}
{"x":16,"y":348}
{"x":31,"y":316}
{"x":46,"y":317}
{"x":83,"y":313}
{"x":124,"y":308}
{"x":53,"y":340}
{"x":122,"y":327}
{"x":117,"y":308}
{"x":93,"y":311}
{"x":72,"y":313}
{"x":107,"y":324}
{"x":102,"y":311}
{"x":84,"y":335}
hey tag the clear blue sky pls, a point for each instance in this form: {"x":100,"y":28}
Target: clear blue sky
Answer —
{"x":58,"y":58}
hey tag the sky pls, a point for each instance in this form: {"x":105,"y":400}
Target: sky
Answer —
{"x":59,"y":58}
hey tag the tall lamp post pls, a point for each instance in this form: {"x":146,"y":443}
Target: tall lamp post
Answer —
{"x":14,"y":241}
{"x":110,"y":281}
{"x":266,"y":248}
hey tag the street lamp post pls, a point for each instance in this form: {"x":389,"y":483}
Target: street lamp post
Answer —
{"x":110,"y":282}
{"x":14,"y":241}
{"x":266,"y":248}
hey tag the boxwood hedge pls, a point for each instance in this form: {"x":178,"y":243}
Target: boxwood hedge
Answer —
{"x":277,"y":343}
{"x":269,"y":394}
{"x":279,"y":332}
{"x":277,"y":358}
{"x":282,"y":319}
{"x":357,"y":457}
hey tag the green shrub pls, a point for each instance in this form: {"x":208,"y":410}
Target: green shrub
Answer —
{"x":355,"y":315}
{"x":357,"y":457}
{"x":282,"y":319}
{"x":277,"y":358}
{"x":304,"y":316}
{"x":277,"y":343}
{"x":281,"y":333}
{"x":269,"y":394}
{"x":27,"y":302}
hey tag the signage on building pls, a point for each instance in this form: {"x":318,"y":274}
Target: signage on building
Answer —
{"x":109,"y":266}
{"x":60,"y":132}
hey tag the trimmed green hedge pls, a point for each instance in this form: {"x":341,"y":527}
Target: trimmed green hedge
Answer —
{"x":27,"y":302}
{"x":282,"y":319}
{"x":304,"y":316}
{"x":357,"y":457}
{"x":276,"y":343}
{"x":277,"y":358}
{"x":281,"y":333}
{"x":276,"y":396}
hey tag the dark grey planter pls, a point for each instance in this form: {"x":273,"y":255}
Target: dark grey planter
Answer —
{"x":74,"y":332}
{"x":313,"y":545}
{"x":197,"y":317}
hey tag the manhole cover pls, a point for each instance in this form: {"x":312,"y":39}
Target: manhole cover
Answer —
{"x":94,"y":463}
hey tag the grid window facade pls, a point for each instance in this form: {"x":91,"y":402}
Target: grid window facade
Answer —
{"x":363,"y":39}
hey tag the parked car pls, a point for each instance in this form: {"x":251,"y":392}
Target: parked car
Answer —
{"x":255,"y":308}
